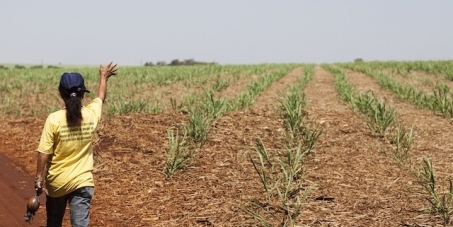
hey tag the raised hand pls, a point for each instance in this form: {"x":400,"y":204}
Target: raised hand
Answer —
{"x":108,"y":71}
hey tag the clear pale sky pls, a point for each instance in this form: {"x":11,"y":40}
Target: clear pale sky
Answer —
{"x":228,"y":32}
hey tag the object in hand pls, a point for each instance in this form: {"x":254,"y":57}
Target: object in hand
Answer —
{"x":32,"y":207}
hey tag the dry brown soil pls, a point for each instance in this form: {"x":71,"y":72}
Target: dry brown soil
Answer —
{"x":355,"y":183}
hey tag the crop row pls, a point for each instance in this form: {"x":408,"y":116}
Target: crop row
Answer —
{"x":380,"y":117}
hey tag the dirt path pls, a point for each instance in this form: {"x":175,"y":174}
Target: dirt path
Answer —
{"x":16,"y":188}
{"x":355,"y":184}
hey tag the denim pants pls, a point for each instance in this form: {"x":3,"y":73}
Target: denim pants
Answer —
{"x":79,"y":207}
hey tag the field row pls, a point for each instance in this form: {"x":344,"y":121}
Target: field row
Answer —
{"x":288,"y":145}
{"x":33,"y":92}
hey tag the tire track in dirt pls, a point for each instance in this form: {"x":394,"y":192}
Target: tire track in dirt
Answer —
{"x":432,"y":133}
{"x":355,"y":185}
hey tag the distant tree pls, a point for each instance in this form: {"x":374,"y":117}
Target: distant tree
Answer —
{"x":52,"y":67}
{"x":36,"y":67}
{"x":358,"y":60}
{"x":19,"y":67}
{"x":149,"y":64}
{"x":175,"y":62}
{"x":161,"y":63}
{"x":189,"y":62}
{"x":3,"y":67}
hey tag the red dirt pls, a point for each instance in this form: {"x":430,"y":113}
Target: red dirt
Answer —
{"x":17,"y":187}
{"x":355,"y":183}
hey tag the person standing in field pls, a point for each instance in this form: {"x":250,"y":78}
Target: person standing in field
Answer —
{"x":65,"y":151}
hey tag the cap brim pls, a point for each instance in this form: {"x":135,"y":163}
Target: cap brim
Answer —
{"x":82,"y":90}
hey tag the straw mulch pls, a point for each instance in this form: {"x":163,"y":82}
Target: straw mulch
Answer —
{"x":355,"y":180}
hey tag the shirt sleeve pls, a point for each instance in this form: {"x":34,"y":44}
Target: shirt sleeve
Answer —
{"x":47,"y":138}
{"x":96,"y":107}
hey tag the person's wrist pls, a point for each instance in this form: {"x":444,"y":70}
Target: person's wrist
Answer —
{"x":38,"y":179}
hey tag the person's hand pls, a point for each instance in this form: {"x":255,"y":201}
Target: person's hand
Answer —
{"x":40,"y":188}
{"x":108,"y":71}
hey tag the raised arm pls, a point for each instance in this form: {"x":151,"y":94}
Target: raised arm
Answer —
{"x":104,"y":74}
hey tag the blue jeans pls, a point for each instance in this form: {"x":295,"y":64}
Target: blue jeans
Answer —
{"x":79,"y":207}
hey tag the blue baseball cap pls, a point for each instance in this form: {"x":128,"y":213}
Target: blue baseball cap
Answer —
{"x":73,"y":82}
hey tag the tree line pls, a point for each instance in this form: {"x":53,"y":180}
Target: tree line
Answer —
{"x":177,"y":62}
{"x":31,"y":67}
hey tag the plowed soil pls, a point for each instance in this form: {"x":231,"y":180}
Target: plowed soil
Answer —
{"x":356,"y":182}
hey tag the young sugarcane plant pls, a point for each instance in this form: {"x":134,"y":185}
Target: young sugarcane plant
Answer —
{"x":248,"y":97}
{"x":442,"y":100}
{"x":220,"y":84}
{"x":214,"y":108}
{"x":402,"y":139}
{"x":441,"y":203}
{"x":288,"y":188}
{"x":292,"y":111}
{"x":309,"y":136}
{"x":264,"y":168}
{"x":174,"y":105}
{"x":199,"y":126}
{"x":381,"y":118}
{"x":178,"y":155}
{"x":280,"y":182}
{"x":256,"y":215}
{"x":292,"y":162}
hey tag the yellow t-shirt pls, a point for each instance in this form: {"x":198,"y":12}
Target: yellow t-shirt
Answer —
{"x":70,"y":163}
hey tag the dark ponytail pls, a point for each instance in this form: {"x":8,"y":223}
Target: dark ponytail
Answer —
{"x":73,"y":103}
